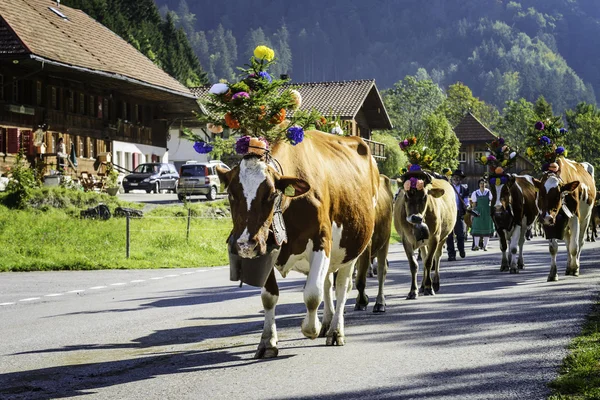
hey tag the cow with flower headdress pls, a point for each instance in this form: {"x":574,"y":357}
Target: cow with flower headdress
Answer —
{"x":300,"y":200}
{"x":514,"y":209}
{"x":424,"y":215}
{"x":566,"y":193}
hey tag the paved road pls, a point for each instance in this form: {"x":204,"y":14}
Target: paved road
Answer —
{"x":191,"y":334}
{"x":152,"y":200}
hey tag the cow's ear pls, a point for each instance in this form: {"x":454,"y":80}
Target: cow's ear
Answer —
{"x":569,"y":187}
{"x":291,"y":187}
{"x":224,"y":175}
{"x":511,"y":181}
{"x":436,"y":192}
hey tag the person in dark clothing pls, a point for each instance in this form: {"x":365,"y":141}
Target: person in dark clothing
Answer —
{"x":462,"y":201}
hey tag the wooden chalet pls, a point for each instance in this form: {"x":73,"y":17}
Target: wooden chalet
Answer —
{"x":474,"y":137}
{"x":62,"y":74}
{"x":357,"y":104}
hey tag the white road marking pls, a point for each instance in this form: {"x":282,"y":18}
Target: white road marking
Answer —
{"x":76,"y":291}
{"x":157,"y":277}
{"x":171,"y":276}
{"x":97,"y":287}
{"x":137,"y":280}
{"x":118,"y":284}
{"x":30,"y":299}
{"x":6,"y":304}
{"x":53,"y":295}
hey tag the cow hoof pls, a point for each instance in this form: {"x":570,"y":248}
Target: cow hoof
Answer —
{"x":312,"y":332}
{"x":552,"y":278}
{"x":324,"y":329}
{"x":503,"y":268}
{"x":335,"y":339}
{"x":429,"y":292}
{"x":421,"y":290}
{"x":520,"y":265}
{"x":379,"y":308}
{"x":436,"y":286}
{"x":266,"y":352}
{"x":360,"y":307}
{"x":514,"y":270}
{"x":412,"y":296}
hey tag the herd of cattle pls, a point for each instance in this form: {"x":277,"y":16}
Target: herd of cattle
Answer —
{"x":322,"y":207}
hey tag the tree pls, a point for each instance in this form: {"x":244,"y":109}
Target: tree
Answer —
{"x":584,"y":132}
{"x":517,"y":118}
{"x":395,"y":159}
{"x":460,"y":101}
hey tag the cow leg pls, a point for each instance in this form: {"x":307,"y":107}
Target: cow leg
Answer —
{"x":423,"y":253}
{"x":328,"y":304}
{"x":267,"y":348}
{"x":436,"y":263}
{"x":363,"y":263}
{"x":382,"y":273}
{"x":521,"y":262}
{"x":553,"y":247}
{"x":313,"y":293}
{"x":414,"y":268}
{"x":428,"y":264}
{"x":503,"y":247}
{"x":335,"y":334}
{"x":515,"y":239}
{"x":574,"y":246}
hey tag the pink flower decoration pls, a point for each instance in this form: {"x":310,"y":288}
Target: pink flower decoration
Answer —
{"x":420,"y":184}
{"x":407,"y":186}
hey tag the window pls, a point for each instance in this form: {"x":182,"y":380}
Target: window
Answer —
{"x":92,"y":106}
{"x":478,"y":155}
{"x":38,"y":93}
{"x":81,"y":103}
{"x":15,"y":91}
{"x":53,"y":98}
{"x":104,"y":112}
{"x":462,"y":157}
{"x":70,"y":101}
{"x":80,"y":146}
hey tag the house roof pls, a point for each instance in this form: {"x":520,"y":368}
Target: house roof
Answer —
{"x":33,"y":28}
{"x":344,"y":99}
{"x":471,"y":130}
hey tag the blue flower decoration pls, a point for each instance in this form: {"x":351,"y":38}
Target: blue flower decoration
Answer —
{"x":560,"y":150}
{"x":503,"y":179}
{"x":265,"y":75}
{"x":295,"y":134}
{"x":492,"y":181}
{"x":242,"y":145}
{"x":415,"y":167}
{"x":545,"y":140}
{"x":202,"y":147}
{"x":563,"y":131}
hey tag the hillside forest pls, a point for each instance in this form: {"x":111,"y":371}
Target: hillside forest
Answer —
{"x":508,"y":62}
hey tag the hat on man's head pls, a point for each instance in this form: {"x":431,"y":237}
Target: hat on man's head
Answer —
{"x":458,"y":172}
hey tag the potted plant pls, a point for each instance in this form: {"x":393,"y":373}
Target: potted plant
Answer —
{"x":112,"y":181}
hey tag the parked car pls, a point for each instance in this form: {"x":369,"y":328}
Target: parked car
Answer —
{"x":199,"y":178}
{"x":152,"y":177}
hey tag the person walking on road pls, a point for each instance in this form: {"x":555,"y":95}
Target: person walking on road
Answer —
{"x":483,"y":226}
{"x":462,"y":199}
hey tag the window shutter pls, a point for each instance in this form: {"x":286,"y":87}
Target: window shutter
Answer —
{"x":13,"y":140}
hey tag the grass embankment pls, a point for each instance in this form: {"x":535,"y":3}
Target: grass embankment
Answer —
{"x":580,"y":373}
{"x":49,"y":235}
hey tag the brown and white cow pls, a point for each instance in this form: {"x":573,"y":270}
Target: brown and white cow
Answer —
{"x":566,"y":200}
{"x":424,"y":216}
{"x":329,"y":186}
{"x":514,"y":212}
{"x":378,"y":247}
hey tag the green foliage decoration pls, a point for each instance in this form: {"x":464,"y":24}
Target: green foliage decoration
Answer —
{"x":546,"y":143}
{"x":22,"y":180}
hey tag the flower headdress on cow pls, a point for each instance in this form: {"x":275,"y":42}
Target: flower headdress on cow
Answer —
{"x":420,"y":159}
{"x":499,"y":157}
{"x":258,"y":106}
{"x":546,"y":143}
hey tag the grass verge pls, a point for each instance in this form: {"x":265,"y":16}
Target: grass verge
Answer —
{"x":579,"y":377}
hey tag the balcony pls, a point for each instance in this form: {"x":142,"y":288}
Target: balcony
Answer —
{"x":377,"y":149}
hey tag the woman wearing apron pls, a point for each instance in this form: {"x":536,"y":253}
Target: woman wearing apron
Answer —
{"x":483,"y":227}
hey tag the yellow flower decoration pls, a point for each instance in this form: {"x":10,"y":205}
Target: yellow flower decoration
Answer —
{"x":263,"y":52}
{"x":504,"y":163}
{"x":484,"y":159}
{"x":530,"y":151}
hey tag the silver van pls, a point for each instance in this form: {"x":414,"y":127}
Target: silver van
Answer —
{"x":199,"y":178}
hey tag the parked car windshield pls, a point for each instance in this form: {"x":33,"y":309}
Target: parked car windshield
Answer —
{"x":192,"y":170}
{"x":147,"y":169}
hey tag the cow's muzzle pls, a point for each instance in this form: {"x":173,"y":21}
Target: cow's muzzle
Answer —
{"x":415,"y":219}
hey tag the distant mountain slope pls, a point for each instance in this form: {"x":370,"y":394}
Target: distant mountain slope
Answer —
{"x":502,"y":49}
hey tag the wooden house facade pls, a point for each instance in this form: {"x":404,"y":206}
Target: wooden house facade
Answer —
{"x":64,"y":75}
{"x":474,"y":138}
